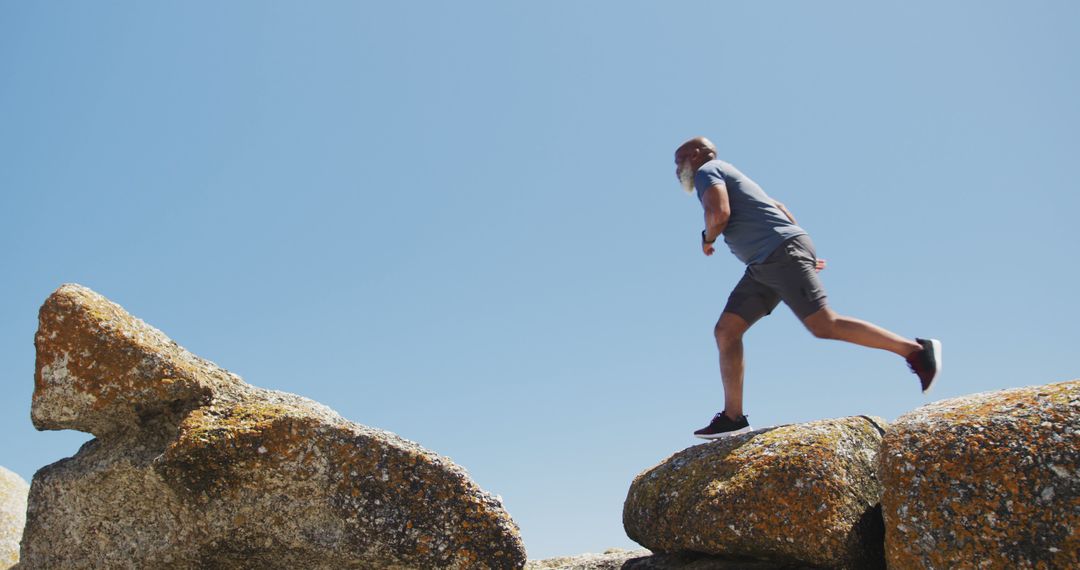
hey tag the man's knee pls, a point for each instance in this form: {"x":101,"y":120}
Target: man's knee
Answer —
{"x":822,"y":324}
{"x":727,"y":333}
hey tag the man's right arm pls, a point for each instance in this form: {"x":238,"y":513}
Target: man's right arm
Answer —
{"x":785,"y":211}
{"x":717,"y":213}
{"x":818,"y":264}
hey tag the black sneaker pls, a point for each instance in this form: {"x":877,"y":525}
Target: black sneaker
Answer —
{"x":926,"y":363}
{"x":723,"y":426}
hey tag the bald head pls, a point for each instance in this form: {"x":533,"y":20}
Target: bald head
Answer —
{"x":698,"y":150}
{"x":689,"y":157}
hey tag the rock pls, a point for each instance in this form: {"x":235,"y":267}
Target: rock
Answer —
{"x":13,"y":492}
{"x":618,"y":559}
{"x":611,"y":559}
{"x":697,"y":561}
{"x":992,"y":477}
{"x":193,"y":468}
{"x":796,"y":494}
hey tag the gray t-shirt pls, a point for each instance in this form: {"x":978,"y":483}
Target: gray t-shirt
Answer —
{"x":756,"y":226}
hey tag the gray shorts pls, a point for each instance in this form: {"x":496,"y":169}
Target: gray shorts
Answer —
{"x":788,"y":274}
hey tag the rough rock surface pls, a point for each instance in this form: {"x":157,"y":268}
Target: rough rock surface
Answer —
{"x":618,"y":559}
{"x":13,"y":492}
{"x":611,"y":559}
{"x":796,"y":494}
{"x":989,"y":480}
{"x":193,"y":468}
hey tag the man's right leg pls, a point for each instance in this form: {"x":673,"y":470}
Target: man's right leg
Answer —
{"x":729,"y":332}
{"x":748,"y":302}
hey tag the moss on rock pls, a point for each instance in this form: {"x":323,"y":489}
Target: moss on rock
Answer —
{"x":804,"y":493}
{"x":992,"y":478}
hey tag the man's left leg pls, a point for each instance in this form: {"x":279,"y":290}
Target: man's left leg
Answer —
{"x":826,"y":323}
{"x":791,"y":272}
{"x":922,"y":355}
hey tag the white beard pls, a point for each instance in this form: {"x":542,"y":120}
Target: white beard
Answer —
{"x":686,"y":177}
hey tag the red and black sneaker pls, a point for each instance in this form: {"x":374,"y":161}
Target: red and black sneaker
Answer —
{"x":926,"y":363}
{"x":723,"y":426}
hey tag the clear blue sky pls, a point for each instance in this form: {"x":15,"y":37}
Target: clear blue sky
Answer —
{"x":459,"y":221}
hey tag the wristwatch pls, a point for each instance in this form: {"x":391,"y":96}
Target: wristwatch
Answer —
{"x":707,"y":242}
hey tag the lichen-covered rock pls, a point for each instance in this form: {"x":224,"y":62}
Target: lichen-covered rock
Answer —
{"x":798,"y":494}
{"x":989,"y":480}
{"x":13,"y":492}
{"x":193,"y":468}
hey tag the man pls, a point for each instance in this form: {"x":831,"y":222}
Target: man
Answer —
{"x":781,"y":264}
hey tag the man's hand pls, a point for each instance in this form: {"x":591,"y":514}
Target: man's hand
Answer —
{"x":819,"y":265}
{"x":707,"y":246}
{"x":717,"y":213}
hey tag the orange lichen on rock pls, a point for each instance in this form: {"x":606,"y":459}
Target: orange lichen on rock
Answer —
{"x":194,"y":468}
{"x":992,"y":478}
{"x":101,"y":370}
{"x":804,"y":493}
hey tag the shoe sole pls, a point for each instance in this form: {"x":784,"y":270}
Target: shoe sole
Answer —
{"x":935,"y":347}
{"x":724,"y":434}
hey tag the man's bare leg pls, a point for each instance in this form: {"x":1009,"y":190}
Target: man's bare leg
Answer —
{"x":729,"y":332}
{"x":826,"y":323}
